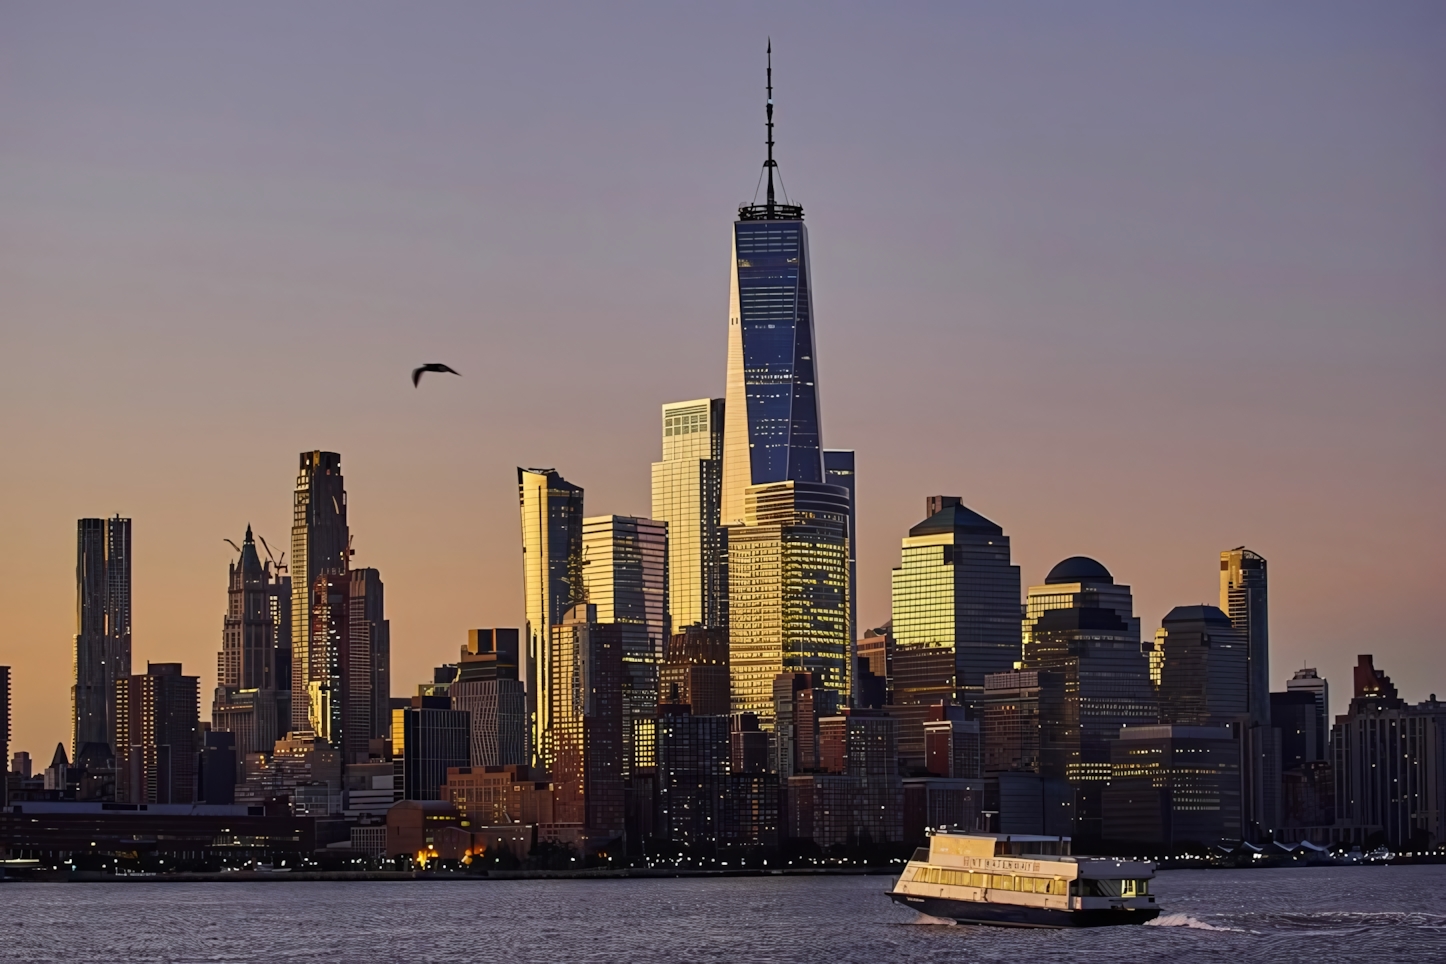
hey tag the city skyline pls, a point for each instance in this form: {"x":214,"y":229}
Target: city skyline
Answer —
{"x":1157,"y":533}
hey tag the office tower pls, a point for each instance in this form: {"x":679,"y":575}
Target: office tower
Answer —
{"x":687,"y":493}
{"x":771,"y":419}
{"x":551,"y":581}
{"x":216,"y":780}
{"x":247,"y":702}
{"x":488,"y":688}
{"x":1204,"y":679}
{"x":625,"y":577}
{"x":955,"y":616}
{"x":1174,"y":786}
{"x":695,"y":671}
{"x":1309,"y":681}
{"x":320,"y":545}
{"x":1079,"y":582}
{"x":103,"y":627}
{"x":339,"y":687}
{"x":371,"y":633}
{"x":692,"y":775}
{"x":788,"y":592}
{"x":429,"y":736}
{"x":157,"y":735}
{"x":1095,"y":651}
{"x":877,"y":646}
{"x":838,"y":469}
{"x":1390,"y":765}
{"x":1009,"y":715}
{"x":1244,"y":598}
{"x":583,"y":745}
{"x":4,"y":731}
{"x":1304,"y":737}
{"x":747,"y":745}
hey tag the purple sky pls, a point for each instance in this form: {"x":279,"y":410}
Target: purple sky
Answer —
{"x":1138,"y":281}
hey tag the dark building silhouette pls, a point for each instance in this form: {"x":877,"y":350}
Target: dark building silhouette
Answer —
{"x":877,"y":648}
{"x":692,"y":775}
{"x":216,"y":780}
{"x":250,"y":700}
{"x":838,"y":469}
{"x":585,"y":734}
{"x":157,"y":736}
{"x":1244,"y":596}
{"x":1174,"y":786}
{"x":1390,"y":766}
{"x":797,"y":706}
{"x":1303,"y":736}
{"x":952,"y":744}
{"x":320,"y":545}
{"x":371,"y":633}
{"x":435,"y":737}
{"x":103,"y":627}
{"x":751,"y":811}
{"x":747,"y":745}
{"x":696,"y":662}
{"x":4,"y":732}
{"x":956,"y":616}
{"x":1204,"y":680}
{"x":487,"y":687}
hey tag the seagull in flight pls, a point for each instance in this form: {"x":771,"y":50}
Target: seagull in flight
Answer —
{"x":430,"y":367}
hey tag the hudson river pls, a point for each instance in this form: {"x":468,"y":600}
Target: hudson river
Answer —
{"x":1318,"y":914}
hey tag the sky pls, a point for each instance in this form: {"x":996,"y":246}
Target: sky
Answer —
{"x":1137,"y":281}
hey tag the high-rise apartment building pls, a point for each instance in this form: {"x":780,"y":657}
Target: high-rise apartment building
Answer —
{"x":249,"y":701}
{"x":955,"y":616}
{"x":103,"y":627}
{"x":583,"y":746}
{"x":625,"y":576}
{"x":370,"y":632}
{"x":772,"y":431}
{"x":320,"y":545}
{"x":430,"y":736}
{"x":157,"y":735}
{"x":551,"y":581}
{"x":687,"y":493}
{"x":695,"y":671}
{"x":340,"y":671}
{"x":838,"y":469}
{"x":692,"y":775}
{"x":788,"y":592}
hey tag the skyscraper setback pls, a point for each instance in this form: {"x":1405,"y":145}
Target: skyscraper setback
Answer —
{"x":687,"y":489}
{"x":320,"y":544}
{"x":103,"y":627}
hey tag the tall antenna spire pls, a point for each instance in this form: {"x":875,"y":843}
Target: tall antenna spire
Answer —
{"x":770,"y":163}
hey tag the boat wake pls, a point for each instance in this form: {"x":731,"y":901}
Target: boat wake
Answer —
{"x":1185,"y":920}
{"x":934,"y":921}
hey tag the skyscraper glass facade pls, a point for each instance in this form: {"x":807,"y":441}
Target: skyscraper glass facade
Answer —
{"x":687,"y":489}
{"x":103,"y":627}
{"x":320,"y":544}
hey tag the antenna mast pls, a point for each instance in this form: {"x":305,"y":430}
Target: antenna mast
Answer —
{"x":770,"y":163}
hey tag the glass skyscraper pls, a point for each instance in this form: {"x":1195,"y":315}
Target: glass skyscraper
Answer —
{"x":103,"y":628}
{"x":687,"y":488}
{"x":551,"y":579}
{"x":625,"y":581}
{"x":320,"y":545}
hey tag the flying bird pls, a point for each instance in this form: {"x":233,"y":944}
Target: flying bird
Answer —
{"x":430,"y":367}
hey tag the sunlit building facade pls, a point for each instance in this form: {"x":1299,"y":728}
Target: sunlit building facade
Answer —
{"x":551,"y":579}
{"x":625,"y":577}
{"x":687,"y":493}
{"x":838,"y":469}
{"x":583,"y":745}
{"x":320,"y":545}
{"x":788,"y":579}
{"x":1079,"y":582}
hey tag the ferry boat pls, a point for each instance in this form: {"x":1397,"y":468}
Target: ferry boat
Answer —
{"x":1012,"y":880}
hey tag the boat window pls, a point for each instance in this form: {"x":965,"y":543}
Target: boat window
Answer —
{"x":1113,"y":888}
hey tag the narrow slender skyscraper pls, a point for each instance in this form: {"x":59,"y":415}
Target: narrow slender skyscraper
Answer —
{"x":103,"y":627}
{"x":320,"y":545}
{"x":1244,"y":597}
{"x":551,"y":582}
{"x":771,"y":419}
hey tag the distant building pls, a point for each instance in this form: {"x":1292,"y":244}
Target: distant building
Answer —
{"x":687,"y":494}
{"x":696,"y":664}
{"x":340,"y":675}
{"x":1390,"y":766}
{"x":320,"y":545}
{"x":157,"y":736}
{"x":858,"y":797}
{"x":585,"y":735}
{"x":940,"y":803}
{"x":1303,"y":736}
{"x":1309,"y":681}
{"x":434,"y":737}
{"x":877,"y":647}
{"x":1079,"y":582}
{"x":797,"y":707}
{"x":495,"y":795}
{"x":747,"y":745}
{"x":552,"y":584}
{"x":1010,"y":718}
{"x":1174,"y":786}
{"x":1204,"y":679}
{"x":1244,"y":596}
{"x":751,"y":811}
{"x":370,"y":633}
{"x":788,"y":592}
{"x":692,"y":775}
{"x":216,"y":780}
{"x":952,"y":744}
{"x":103,"y":627}
{"x":625,"y":576}
{"x":250,"y":702}
{"x":487,"y":687}
{"x":838,"y":469}
{"x":955,"y":616}
{"x":4,"y":731}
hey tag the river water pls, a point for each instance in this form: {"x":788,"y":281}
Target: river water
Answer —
{"x":1326,"y":914}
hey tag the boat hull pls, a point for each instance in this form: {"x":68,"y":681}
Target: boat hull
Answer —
{"x":1013,"y":915}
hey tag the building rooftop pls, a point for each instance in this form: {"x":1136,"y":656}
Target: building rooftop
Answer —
{"x":953,"y":518}
{"x":1079,"y":569}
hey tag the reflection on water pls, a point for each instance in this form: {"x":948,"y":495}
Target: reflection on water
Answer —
{"x":1321,"y":914}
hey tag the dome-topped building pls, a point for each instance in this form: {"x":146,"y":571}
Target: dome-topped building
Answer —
{"x":1078,"y":569}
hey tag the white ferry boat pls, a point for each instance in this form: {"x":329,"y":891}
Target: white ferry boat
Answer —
{"x":1023,"y":881}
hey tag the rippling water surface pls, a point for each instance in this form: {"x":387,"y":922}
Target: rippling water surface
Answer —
{"x":1318,"y":914}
